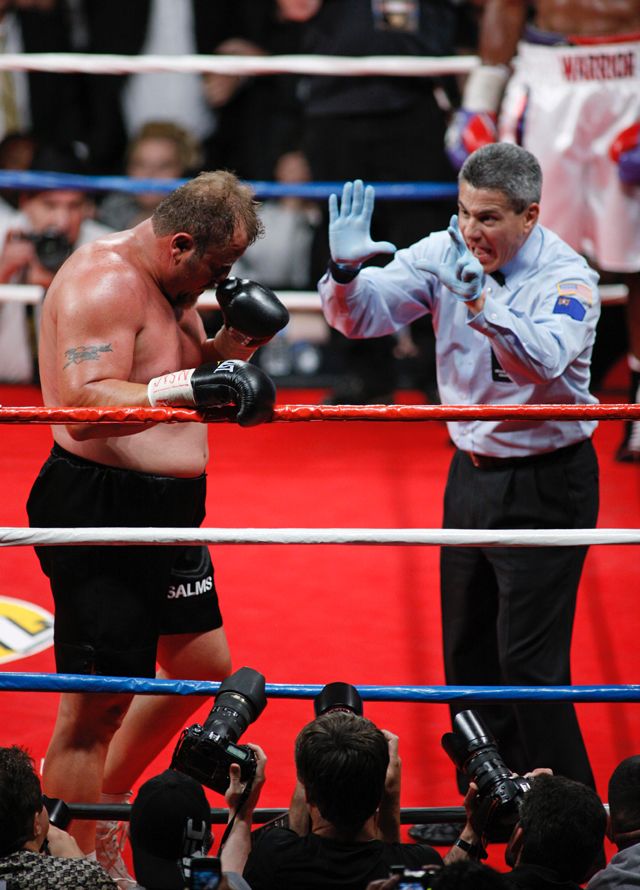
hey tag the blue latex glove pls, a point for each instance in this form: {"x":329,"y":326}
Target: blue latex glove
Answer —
{"x":460,"y":271}
{"x":349,"y":228}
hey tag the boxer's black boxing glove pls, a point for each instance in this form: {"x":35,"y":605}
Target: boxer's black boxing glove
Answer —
{"x":231,"y":382}
{"x":253,"y":314}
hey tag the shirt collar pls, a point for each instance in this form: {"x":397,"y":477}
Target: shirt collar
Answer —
{"x":524,"y":258}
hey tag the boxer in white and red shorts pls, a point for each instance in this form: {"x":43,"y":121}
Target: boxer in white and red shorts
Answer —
{"x":567,"y":105}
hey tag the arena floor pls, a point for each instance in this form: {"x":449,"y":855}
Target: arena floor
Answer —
{"x":318,"y":613}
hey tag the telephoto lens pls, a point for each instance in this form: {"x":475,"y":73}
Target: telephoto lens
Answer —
{"x":206,"y":752}
{"x":338,"y":697}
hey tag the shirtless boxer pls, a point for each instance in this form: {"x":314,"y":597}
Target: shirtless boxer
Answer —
{"x":118,"y":318}
{"x":574,"y":101}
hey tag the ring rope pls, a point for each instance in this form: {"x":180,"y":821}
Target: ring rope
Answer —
{"x":42,"y":179}
{"x":13,"y":536}
{"x":350,"y":66}
{"x":13,"y":681}
{"x":294,"y":300}
{"x":300,"y":413}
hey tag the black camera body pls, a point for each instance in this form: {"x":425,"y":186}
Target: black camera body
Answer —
{"x":51,"y":246}
{"x":473,"y":750}
{"x":206,"y":752}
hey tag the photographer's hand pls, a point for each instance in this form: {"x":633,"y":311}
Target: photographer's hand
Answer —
{"x":17,"y":254}
{"x":237,"y":845}
{"x":384,"y":883}
{"x":538,"y":771}
{"x":237,"y":787}
{"x":62,"y":844}
{"x":389,"y":812}
{"x":36,"y":273}
{"x":468,"y":836}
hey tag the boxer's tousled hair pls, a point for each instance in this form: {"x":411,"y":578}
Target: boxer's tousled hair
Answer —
{"x":210,"y":208}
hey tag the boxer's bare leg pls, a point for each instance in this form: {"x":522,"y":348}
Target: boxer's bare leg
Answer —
{"x":154,"y":721}
{"x":75,"y":759}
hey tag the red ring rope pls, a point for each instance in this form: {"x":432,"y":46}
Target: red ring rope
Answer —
{"x":296,"y":413}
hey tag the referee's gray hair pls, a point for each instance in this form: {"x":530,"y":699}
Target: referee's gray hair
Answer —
{"x":506,"y":168}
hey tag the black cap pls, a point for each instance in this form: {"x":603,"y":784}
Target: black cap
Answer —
{"x":170,"y":821}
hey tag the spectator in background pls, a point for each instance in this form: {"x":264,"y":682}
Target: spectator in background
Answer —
{"x":48,"y":104}
{"x":36,"y":240}
{"x":33,"y":853}
{"x":16,"y":153}
{"x":120,"y":104}
{"x":160,"y":150}
{"x":282,"y":259}
{"x":379,"y":128}
{"x":258,"y":118}
{"x":623,"y":871}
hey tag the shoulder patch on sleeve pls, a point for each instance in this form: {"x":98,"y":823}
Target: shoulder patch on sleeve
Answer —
{"x":572,"y":296}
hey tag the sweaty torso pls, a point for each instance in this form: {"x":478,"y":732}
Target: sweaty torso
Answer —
{"x":107,"y":329}
{"x":588,"y":18}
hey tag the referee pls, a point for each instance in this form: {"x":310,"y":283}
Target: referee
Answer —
{"x":514,"y":312}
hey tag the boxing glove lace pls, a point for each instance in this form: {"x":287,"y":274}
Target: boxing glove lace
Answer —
{"x":231,"y":382}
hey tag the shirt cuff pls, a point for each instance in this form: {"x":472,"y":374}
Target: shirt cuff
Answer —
{"x":342,"y":274}
{"x":487,"y":319}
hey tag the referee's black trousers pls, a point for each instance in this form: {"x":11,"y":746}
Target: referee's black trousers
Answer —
{"x":507,"y":613}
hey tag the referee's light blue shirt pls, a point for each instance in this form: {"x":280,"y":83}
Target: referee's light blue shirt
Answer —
{"x":531,"y":344}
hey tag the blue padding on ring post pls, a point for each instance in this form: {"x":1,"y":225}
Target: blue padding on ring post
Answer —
{"x":27,"y":682}
{"x":403,"y":191}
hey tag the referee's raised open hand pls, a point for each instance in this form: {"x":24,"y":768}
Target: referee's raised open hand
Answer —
{"x":350,"y":226}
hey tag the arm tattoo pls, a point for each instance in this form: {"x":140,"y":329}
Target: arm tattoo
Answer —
{"x":78,"y":354}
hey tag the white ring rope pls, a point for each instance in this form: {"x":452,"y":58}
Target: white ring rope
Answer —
{"x":294,"y":300}
{"x":552,"y":537}
{"x":360,"y":66}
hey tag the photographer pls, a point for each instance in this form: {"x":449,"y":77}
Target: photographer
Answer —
{"x":623,"y":870}
{"x":349,"y":792}
{"x":559,"y":836}
{"x":170,"y":829}
{"x":34,"y":853}
{"x":36,"y":240}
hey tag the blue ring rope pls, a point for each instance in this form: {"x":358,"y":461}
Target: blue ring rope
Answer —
{"x":11,"y":681}
{"x":404,"y":191}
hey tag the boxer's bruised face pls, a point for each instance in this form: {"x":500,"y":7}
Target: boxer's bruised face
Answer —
{"x":492,"y":230}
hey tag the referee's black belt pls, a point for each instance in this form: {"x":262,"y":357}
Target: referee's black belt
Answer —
{"x":486,"y":462}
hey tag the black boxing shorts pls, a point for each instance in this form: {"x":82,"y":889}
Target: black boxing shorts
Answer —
{"x":113,"y":602}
